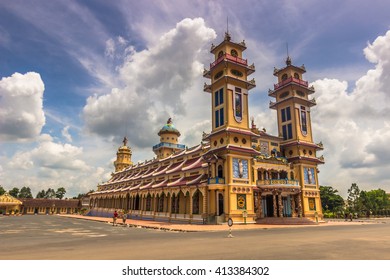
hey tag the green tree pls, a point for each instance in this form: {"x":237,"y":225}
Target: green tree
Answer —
{"x":330,"y":199}
{"x":50,"y":193}
{"x":60,"y":193}
{"x":14,"y":192}
{"x":41,"y":194}
{"x":353,"y":200}
{"x":25,"y":192}
{"x":2,"y":190}
{"x":374,"y":200}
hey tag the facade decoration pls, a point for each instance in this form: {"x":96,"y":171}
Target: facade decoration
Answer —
{"x":237,"y":171}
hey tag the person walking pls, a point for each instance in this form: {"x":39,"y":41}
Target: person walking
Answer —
{"x":114,"y":218}
{"x":124,"y":217}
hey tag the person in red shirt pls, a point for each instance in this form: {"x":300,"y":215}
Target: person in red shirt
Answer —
{"x":114,"y":218}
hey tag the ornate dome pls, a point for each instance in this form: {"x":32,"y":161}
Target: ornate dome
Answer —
{"x":169,"y":128}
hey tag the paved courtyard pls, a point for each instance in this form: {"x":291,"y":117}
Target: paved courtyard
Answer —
{"x":63,"y":238}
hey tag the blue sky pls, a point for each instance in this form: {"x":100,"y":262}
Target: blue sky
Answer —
{"x":76,"y":76}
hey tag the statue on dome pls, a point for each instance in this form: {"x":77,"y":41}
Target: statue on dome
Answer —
{"x":124,"y":141}
{"x":169,"y":121}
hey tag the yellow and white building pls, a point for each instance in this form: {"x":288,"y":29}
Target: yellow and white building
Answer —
{"x":237,"y":171}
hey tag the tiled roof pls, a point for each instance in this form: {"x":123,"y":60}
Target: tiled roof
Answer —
{"x":59,"y":203}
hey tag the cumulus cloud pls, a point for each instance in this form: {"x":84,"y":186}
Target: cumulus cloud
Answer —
{"x":354,"y":126}
{"x":52,"y":164}
{"x":21,"y":106}
{"x":155,"y":84}
{"x":50,"y":155}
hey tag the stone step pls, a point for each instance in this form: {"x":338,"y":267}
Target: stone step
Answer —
{"x":285,"y":221}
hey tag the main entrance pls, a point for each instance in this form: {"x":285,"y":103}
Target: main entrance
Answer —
{"x":278,"y":204}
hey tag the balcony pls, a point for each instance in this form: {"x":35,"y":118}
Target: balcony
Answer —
{"x":169,"y":145}
{"x":216,"y":180}
{"x":229,"y":57}
{"x":291,"y":80}
{"x":269,"y":182}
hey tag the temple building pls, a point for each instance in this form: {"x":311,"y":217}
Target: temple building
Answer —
{"x":237,"y":171}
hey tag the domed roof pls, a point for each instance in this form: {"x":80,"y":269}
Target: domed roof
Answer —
{"x":169,"y":128}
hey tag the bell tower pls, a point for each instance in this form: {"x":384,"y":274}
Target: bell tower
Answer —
{"x":229,"y":85}
{"x":230,"y":154}
{"x":293,"y":105}
{"x":123,"y":157}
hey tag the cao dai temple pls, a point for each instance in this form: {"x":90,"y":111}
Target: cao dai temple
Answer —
{"x":238,"y":171}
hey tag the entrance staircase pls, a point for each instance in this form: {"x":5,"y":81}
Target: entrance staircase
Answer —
{"x":285,"y":221}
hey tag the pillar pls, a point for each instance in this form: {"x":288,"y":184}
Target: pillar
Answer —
{"x":293,"y":213}
{"x":275,"y":205}
{"x":280,"y":204}
{"x":260,"y":206}
{"x":299,"y":205}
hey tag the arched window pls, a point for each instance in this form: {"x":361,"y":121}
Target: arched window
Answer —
{"x":175,"y":204}
{"x":220,"y":54}
{"x":148,"y":202}
{"x":233,"y":52}
{"x":220,"y":171}
{"x":296,"y":76}
{"x":161,"y":203}
{"x":292,"y":175}
{"x":284,"y":77}
{"x":137,"y":203}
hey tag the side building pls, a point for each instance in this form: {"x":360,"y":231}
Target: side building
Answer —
{"x":237,"y":171}
{"x":10,"y":205}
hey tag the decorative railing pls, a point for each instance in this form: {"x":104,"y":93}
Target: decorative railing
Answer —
{"x":231,"y":58}
{"x":170,"y":145}
{"x":277,"y":182}
{"x":216,"y":180}
{"x":291,"y":80}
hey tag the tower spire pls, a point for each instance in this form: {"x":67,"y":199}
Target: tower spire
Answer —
{"x":227,"y":35}
{"x":288,"y":59}
{"x":227,"y":24}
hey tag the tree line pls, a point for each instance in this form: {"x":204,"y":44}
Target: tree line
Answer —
{"x":359,"y":202}
{"x":25,"y":192}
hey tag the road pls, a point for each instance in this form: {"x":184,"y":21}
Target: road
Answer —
{"x":59,"y":238}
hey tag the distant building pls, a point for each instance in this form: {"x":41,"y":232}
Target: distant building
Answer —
{"x":11,"y":205}
{"x":237,"y":171}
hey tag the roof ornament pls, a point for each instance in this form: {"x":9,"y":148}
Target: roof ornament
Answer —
{"x":288,"y":59}
{"x":253,"y":122}
{"x":125,"y":141}
{"x":169,"y":121}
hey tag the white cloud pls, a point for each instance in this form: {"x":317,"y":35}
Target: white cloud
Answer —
{"x":157,"y":81}
{"x":354,"y":126}
{"x":51,"y":155}
{"x":65,"y":133}
{"x":21,"y":106}
{"x":52,"y":164}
